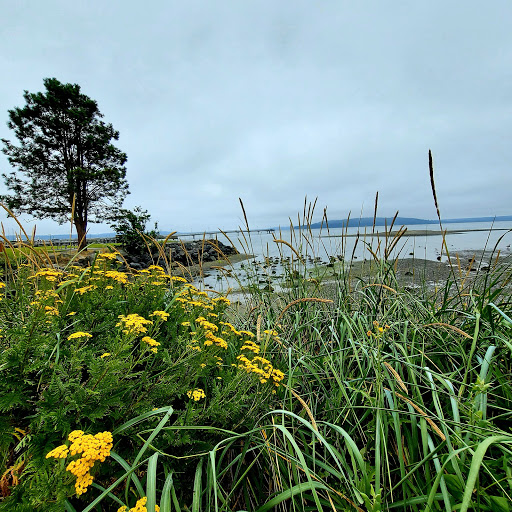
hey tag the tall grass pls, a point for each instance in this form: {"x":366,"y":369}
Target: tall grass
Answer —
{"x":393,"y":398}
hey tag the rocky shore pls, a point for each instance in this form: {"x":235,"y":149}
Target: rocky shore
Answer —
{"x":184,"y":254}
{"x":176,"y":253}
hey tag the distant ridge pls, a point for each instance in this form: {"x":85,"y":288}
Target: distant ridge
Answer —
{"x":383,"y":221}
{"x":355,"y":222}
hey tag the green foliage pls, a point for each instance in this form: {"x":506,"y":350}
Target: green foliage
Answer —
{"x":130,"y":229}
{"x":390,"y":399}
{"x":65,"y":161}
{"x":89,"y":349}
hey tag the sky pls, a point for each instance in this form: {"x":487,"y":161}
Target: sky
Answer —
{"x":274,"y":101}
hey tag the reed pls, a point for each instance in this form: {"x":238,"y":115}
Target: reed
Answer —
{"x":392,"y":398}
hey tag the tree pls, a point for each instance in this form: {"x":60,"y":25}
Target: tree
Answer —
{"x":130,"y":228}
{"x":67,"y":167}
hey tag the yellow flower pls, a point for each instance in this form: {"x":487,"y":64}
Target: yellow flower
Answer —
{"x":91,"y":448}
{"x":71,"y":313}
{"x":196,"y":394}
{"x":108,"y":255}
{"x":120,"y":277}
{"x":79,"y":334}
{"x":106,"y":354}
{"x":150,"y":341}
{"x":133,"y":324}
{"x":222,"y":300}
{"x":140,"y":506}
{"x":48,"y":273}
{"x":61,"y":452}
{"x":162,"y":315}
{"x":85,"y":289}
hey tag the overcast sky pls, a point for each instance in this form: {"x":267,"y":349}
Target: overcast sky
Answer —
{"x":272,"y":100}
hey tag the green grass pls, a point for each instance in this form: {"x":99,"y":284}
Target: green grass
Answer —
{"x":392,"y":398}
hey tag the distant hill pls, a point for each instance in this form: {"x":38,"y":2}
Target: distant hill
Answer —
{"x":383,"y":221}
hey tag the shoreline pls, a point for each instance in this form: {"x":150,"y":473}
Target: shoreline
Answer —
{"x":413,"y":232}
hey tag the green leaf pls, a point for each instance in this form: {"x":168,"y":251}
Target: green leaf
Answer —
{"x":286,"y":495}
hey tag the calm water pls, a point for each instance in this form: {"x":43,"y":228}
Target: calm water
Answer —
{"x":321,"y":245}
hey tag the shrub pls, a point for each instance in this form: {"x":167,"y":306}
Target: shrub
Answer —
{"x":86,"y":350}
{"x":130,"y":229}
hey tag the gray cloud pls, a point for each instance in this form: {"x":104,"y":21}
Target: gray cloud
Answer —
{"x":270,"y":101}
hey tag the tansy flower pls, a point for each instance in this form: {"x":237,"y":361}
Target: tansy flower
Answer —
{"x":85,"y":289}
{"x":133,"y":324}
{"x":50,"y":310}
{"x":140,"y":506}
{"x":120,"y":277}
{"x":61,"y":452}
{"x":91,"y":448}
{"x":150,"y":341}
{"x":162,"y":315}
{"x":196,"y":394}
{"x":108,"y":255}
{"x":79,"y":334}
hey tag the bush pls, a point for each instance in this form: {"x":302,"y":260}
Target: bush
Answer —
{"x":86,"y":350}
{"x":130,"y":229}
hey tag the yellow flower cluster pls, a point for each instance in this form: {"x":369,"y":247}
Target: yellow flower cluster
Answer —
{"x":207,"y":326}
{"x":262,"y":368}
{"x":79,"y":334}
{"x":379,"y":331}
{"x":154,"y":275}
{"x":46,"y":298}
{"x":196,"y":394}
{"x":120,"y":277}
{"x":162,"y":315}
{"x":152,"y":343}
{"x":51,"y":311}
{"x":91,"y":448}
{"x":133,"y":324}
{"x":49,"y":274}
{"x":251,"y":346}
{"x":61,"y":452}
{"x":272,"y":333}
{"x":211,"y":339}
{"x":140,"y":506}
{"x":85,"y":289}
{"x":108,"y":256}
{"x":213,"y":332}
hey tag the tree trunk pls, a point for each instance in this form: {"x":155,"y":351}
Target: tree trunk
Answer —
{"x":81,"y":228}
